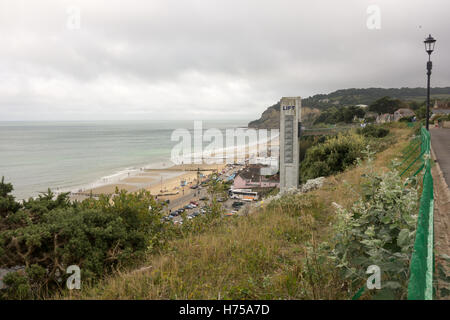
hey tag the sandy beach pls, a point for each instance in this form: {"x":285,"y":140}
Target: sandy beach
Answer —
{"x":166,"y":183}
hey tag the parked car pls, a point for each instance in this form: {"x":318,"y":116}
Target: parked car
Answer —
{"x":204,"y":199}
{"x":194,"y":203}
{"x":237,"y":204}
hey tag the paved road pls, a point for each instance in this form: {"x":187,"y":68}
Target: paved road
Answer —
{"x":440,"y":141}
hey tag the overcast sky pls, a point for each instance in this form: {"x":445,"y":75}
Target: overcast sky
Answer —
{"x":206,"y":59}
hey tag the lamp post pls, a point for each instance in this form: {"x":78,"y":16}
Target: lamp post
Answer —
{"x":429,"y":48}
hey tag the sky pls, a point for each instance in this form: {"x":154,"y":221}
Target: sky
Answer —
{"x":207,"y":59}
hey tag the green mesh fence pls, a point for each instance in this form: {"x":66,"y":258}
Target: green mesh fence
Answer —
{"x":420,"y":286}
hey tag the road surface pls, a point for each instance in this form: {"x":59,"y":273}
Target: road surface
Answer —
{"x":440,"y":141}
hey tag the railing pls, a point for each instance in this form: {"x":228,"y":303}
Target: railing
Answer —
{"x":420,"y":285}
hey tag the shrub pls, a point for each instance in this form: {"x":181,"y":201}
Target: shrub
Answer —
{"x":332,"y":156}
{"x":373,"y":131}
{"x":406,"y":119}
{"x":49,"y":234}
{"x":378,"y":230}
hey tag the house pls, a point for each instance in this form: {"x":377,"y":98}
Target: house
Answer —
{"x":440,"y":112}
{"x":441,"y":104}
{"x":385,"y":117}
{"x":253,"y":177}
{"x":370,"y":114}
{"x":403,"y":113}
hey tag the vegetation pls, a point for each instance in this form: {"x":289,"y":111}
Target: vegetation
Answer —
{"x":332,"y":156}
{"x":307,"y":142}
{"x":389,"y":100}
{"x":295,"y":247}
{"x":346,"y":97}
{"x":336,"y":115}
{"x":441,"y":118}
{"x":386,"y":105}
{"x":270,"y":118}
{"x":379,"y":229}
{"x":373,"y":131}
{"x":48,"y":234}
{"x":283,"y":250}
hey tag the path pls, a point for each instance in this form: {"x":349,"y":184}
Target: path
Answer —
{"x":440,"y":143}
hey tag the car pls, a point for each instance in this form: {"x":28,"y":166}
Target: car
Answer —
{"x":221,"y":199}
{"x":196,"y":213}
{"x":194,"y":203}
{"x":203,"y":199}
{"x":189,"y":206}
{"x":194,"y":187}
{"x":237,"y":204}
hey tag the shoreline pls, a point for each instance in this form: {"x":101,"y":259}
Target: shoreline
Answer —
{"x":161,"y":180}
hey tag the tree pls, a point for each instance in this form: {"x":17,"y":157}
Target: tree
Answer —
{"x":421,"y":113}
{"x":217,"y":188}
{"x":385,"y":105}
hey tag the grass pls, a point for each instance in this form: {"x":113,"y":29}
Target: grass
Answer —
{"x":270,"y":254}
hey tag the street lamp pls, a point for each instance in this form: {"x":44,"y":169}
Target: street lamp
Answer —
{"x":429,"y":48}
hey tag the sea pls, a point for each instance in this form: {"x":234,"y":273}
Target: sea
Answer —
{"x":70,"y":155}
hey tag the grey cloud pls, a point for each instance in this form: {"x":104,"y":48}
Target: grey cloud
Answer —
{"x":191,"y":59}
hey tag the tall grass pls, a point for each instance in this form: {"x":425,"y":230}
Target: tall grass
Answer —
{"x":276,"y":252}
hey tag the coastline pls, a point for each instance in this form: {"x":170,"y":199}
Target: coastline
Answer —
{"x":165,"y":178}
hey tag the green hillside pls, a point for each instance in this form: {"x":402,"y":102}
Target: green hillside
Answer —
{"x":345,"y":97}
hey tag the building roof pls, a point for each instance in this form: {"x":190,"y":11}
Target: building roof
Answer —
{"x":441,"y":111}
{"x":253,"y":173}
{"x":405,"y":111}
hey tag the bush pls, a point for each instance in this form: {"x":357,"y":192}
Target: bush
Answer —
{"x":373,"y":131}
{"x":378,"y":230}
{"x":332,"y":156}
{"x":406,"y":119}
{"x":49,"y":234}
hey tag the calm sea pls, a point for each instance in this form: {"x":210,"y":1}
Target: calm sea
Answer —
{"x":35,"y":156}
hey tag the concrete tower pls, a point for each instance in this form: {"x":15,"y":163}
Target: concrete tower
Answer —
{"x":290,"y":116}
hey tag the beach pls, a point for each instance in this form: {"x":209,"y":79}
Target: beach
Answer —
{"x":174,"y":181}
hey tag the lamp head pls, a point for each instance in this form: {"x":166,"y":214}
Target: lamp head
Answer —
{"x":429,"y":44}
